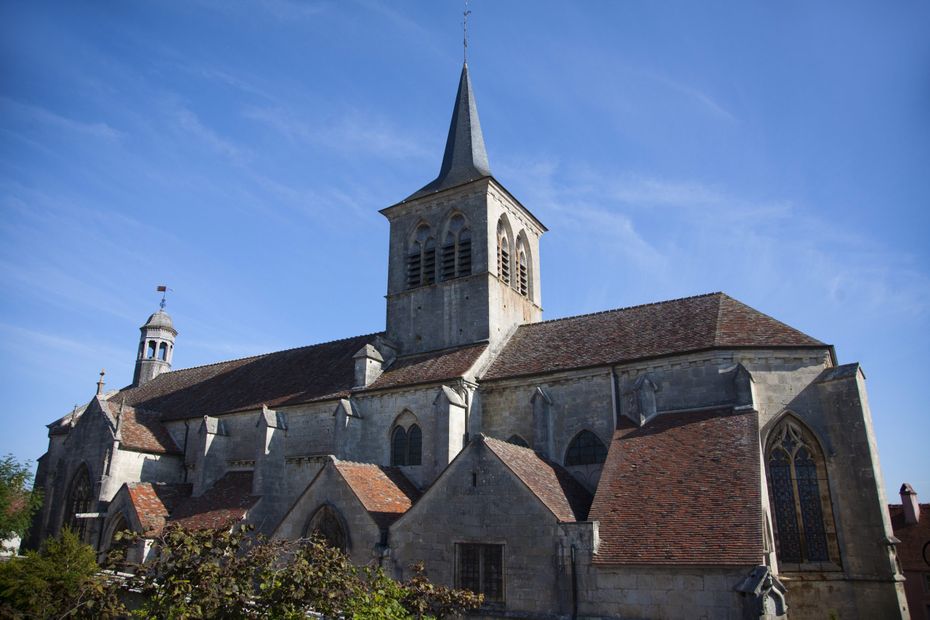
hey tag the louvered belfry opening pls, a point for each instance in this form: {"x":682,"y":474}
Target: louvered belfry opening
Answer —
{"x":523,"y":277}
{"x":455,"y":256}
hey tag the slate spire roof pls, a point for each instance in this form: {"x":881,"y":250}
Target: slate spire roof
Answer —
{"x":465,"y":158}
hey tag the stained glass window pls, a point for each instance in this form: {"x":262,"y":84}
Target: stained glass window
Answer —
{"x":796,"y":495}
{"x":80,"y":500}
{"x":399,"y":447}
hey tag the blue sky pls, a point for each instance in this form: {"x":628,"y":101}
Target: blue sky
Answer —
{"x":239,"y":152}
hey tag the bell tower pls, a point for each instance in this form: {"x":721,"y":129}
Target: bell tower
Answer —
{"x":464,"y":253}
{"x":156,"y":347}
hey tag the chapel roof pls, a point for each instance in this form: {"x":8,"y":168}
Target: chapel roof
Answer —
{"x":714,"y":320}
{"x":429,"y":367}
{"x":154,"y":502}
{"x":555,"y":487}
{"x":913,"y":537}
{"x":385,"y":492}
{"x":683,"y":489}
{"x":465,"y":158}
{"x":142,"y":430}
{"x":225,"y":503}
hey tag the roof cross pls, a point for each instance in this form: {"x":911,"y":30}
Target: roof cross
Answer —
{"x":465,"y":15}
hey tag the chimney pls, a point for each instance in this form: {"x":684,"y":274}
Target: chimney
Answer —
{"x":911,"y":507}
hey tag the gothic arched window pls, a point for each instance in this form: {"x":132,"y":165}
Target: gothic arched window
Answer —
{"x":800,"y":497}
{"x":456,"y":250}
{"x":80,"y":501}
{"x":326,"y":524}
{"x":407,"y":445}
{"x":503,"y":252}
{"x":585,"y":449}
{"x":421,"y":258}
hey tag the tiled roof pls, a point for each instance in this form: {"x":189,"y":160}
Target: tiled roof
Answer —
{"x":275,"y":379}
{"x":385,"y":492}
{"x":669,"y":327}
{"x":142,"y":430}
{"x":429,"y":367}
{"x":684,"y":489}
{"x":225,"y":503}
{"x":913,"y":537}
{"x":153,"y":502}
{"x":552,"y":484}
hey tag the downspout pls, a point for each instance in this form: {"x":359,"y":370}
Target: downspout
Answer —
{"x":187,"y":430}
{"x":614,"y":397}
{"x":574,"y":586}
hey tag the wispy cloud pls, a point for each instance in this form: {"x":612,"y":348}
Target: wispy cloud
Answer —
{"x":34,"y":114}
{"x":191,"y":124}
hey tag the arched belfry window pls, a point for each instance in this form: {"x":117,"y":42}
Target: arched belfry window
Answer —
{"x":421,"y":258}
{"x":326,"y":524}
{"x":406,"y":445}
{"x":163,"y":351}
{"x":80,"y":501}
{"x":800,"y":497}
{"x":455,"y":260}
{"x":522,"y":281}
{"x":150,"y":352}
{"x":585,"y":449}
{"x":503,"y":252}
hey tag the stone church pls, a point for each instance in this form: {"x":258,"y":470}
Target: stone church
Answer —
{"x":685,"y":458}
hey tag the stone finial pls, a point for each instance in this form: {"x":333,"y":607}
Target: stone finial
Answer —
{"x":101,"y":383}
{"x":910,"y":503}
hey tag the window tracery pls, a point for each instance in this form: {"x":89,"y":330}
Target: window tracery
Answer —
{"x":585,"y":449}
{"x":407,"y":446}
{"x":80,"y":501}
{"x":799,"y":496}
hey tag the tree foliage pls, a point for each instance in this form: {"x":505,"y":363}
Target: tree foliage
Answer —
{"x":238,"y":575}
{"x":61,"y":580}
{"x":213,"y":574}
{"x":17,"y":500}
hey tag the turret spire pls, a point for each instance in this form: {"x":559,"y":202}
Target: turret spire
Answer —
{"x":465,"y":158}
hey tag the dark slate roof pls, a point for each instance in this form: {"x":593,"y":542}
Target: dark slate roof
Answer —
{"x":154,"y":502}
{"x":223,"y":504}
{"x":289,"y":377}
{"x":385,"y":492}
{"x":684,"y":489}
{"x":696,"y":323}
{"x":913,"y":537}
{"x":551,"y":483}
{"x":844,"y":371}
{"x":429,"y":367}
{"x":465,"y":158}
{"x":142,"y":430}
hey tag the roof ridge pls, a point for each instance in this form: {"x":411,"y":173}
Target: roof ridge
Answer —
{"x":634,"y":307}
{"x":250,"y":357}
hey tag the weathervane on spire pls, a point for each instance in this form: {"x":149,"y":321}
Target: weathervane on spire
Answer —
{"x":161,"y":288}
{"x":465,"y":15}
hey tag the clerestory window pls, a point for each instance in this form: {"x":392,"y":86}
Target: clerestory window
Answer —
{"x":585,"y":449}
{"x":406,"y":446}
{"x":799,"y":493}
{"x":480,"y":568}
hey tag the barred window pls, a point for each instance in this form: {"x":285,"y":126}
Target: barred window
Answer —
{"x":586,"y":449}
{"x":480,"y":569}
{"x":799,"y":496}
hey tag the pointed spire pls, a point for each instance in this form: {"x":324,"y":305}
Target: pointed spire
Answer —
{"x":465,"y":158}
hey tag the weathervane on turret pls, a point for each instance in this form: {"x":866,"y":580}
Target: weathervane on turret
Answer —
{"x":465,"y":15}
{"x":161,"y":288}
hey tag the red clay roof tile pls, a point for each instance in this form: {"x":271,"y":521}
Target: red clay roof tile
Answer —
{"x":551,"y":483}
{"x":684,"y":489}
{"x":154,"y":502}
{"x":429,"y":367}
{"x":225,"y":503}
{"x":142,"y":430}
{"x":385,"y":492}
{"x":666,"y":328}
{"x":913,"y":536}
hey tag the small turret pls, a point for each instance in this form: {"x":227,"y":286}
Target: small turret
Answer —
{"x":156,"y":347}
